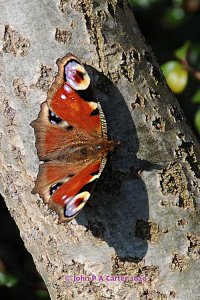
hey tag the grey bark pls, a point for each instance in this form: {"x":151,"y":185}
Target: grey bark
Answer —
{"x":143,"y":217}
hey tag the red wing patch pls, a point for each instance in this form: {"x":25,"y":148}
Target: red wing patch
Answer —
{"x":69,"y":106}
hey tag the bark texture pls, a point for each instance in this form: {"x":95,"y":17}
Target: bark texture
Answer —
{"x":143,"y":217}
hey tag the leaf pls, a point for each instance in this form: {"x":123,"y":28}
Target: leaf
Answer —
{"x":196,"y":97}
{"x":176,"y":76}
{"x":2,"y":279}
{"x":197,"y":120}
{"x":181,"y":53}
{"x":142,"y":3}
{"x":193,"y":56}
{"x":7,"y":280}
{"x":174,"y":16}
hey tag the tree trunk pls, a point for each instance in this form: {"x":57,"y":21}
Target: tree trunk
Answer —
{"x":142,"y":218}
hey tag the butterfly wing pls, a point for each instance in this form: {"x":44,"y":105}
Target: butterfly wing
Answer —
{"x":71,"y":97}
{"x":66,"y":186}
{"x":68,"y":126}
{"x":69,"y":117}
{"x":54,"y":136}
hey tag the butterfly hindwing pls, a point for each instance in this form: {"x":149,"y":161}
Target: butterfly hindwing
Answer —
{"x":66,"y":187}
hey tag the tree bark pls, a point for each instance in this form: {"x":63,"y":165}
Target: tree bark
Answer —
{"x":142,"y":219}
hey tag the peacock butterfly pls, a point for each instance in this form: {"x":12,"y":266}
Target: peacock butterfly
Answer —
{"x":71,"y":140}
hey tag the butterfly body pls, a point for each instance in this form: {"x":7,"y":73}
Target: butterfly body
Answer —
{"x":71,"y":139}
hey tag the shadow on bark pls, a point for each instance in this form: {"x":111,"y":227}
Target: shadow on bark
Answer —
{"x":120,"y":198}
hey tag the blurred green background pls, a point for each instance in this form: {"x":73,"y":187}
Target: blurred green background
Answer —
{"x":172,"y":28}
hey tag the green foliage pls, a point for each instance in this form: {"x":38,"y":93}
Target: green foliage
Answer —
{"x":15,"y":287}
{"x":196,"y":97}
{"x":173,"y":28}
{"x":197,"y":120}
{"x":176,"y":76}
{"x":193,"y":56}
{"x":142,"y":3}
{"x":7,"y":280}
{"x":181,"y":53}
{"x":174,"y":16}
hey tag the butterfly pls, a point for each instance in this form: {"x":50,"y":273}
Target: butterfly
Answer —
{"x":71,"y":140}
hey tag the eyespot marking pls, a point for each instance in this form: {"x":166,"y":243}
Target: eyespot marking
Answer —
{"x":76,"y":203}
{"x":76,"y":75}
